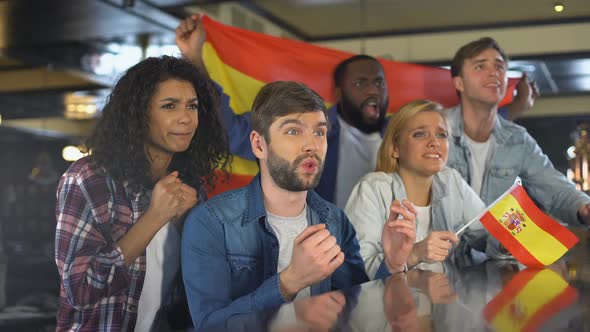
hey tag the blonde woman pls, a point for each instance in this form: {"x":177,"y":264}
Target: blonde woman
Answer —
{"x":411,"y":164}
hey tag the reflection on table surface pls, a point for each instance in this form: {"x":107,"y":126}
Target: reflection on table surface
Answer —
{"x":471,"y":296}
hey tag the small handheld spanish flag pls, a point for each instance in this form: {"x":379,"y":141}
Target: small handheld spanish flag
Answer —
{"x":529,"y":300}
{"x":531,"y":236}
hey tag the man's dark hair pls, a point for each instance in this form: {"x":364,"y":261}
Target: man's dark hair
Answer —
{"x":341,"y":67}
{"x":473,"y":49}
{"x":282,"y":98}
{"x":118,"y":141}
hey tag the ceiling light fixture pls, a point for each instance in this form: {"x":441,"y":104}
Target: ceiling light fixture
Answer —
{"x":558,"y":7}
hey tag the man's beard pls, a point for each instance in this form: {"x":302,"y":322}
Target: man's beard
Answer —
{"x":285,"y":174}
{"x":354,"y":115}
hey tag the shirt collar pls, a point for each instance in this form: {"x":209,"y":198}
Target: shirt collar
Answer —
{"x":255,"y":203}
{"x":439,"y":188}
{"x":455,"y":116}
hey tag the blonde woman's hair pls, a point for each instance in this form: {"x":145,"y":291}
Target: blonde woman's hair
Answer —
{"x":385,"y":160}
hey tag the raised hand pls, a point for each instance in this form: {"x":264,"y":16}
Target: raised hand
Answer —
{"x":316,"y":255}
{"x":171,"y":198}
{"x":434,"y":248}
{"x":190,"y":37}
{"x":526,"y":94}
{"x":399,"y":233}
{"x":188,"y":199}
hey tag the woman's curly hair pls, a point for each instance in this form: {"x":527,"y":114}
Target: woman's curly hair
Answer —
{"x":118,"y":141}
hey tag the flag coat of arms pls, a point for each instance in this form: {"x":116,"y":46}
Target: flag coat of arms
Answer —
{"x":531,"y":236}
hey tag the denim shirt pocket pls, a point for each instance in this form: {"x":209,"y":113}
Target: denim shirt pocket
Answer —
{"x":503,"y":172}
{"x":246,"y":272}
{"x":502,"y":178}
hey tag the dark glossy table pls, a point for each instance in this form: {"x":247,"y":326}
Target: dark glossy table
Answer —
{"x":29,"y":294}
{"x":471,"y":296}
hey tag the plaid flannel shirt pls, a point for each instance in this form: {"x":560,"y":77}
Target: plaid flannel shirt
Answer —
{"x":98,"y":292}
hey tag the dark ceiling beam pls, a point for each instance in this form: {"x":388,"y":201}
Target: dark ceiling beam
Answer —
{"x":455,"y":28}
{"x":147,"y":12}
{"x":178,"y":8}
{"x":26,"y":23}
{"x":175,"y":4}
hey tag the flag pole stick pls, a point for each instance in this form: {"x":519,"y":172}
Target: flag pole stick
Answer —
{"x":462,"y":229}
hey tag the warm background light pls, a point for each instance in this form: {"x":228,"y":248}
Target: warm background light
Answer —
{"x":558,"y":7}
{"x":71,"y":153}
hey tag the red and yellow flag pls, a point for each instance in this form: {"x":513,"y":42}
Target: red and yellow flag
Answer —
{"x":531,"y":236}
{"x":529,"y":300}
{"x":243,"y":61}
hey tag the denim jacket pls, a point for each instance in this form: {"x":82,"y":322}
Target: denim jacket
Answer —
{"x":515,"y":153}
{"x":230,"y":255}
{"x":453,"y":204}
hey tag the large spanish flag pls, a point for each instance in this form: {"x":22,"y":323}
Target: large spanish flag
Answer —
{"x":531,"y":236}
{"x":243,"y":61}
{"x":529,"y":300}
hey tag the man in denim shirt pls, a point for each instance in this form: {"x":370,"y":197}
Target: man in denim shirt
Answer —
{"x":262,"y":245}
{"x":490,"y":152}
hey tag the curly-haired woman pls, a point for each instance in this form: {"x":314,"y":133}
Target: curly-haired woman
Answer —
{"x":120,"y":209}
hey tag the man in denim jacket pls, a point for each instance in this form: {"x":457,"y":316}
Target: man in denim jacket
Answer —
{"x":262,"y":245}
{"x":490,"y":152}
